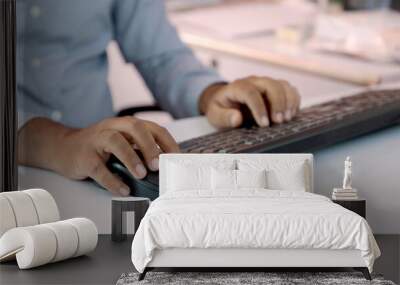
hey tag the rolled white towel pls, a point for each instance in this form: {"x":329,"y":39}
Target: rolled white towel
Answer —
{"x":7,"y":220}
{"x":32,"y":246}
{"x":45,"y":205}
{"x":87,"y":234}
{"x":67,"y":239}
{"x":23,"y":208}
{"x":26,"y":208}
{"x":40,"y":244}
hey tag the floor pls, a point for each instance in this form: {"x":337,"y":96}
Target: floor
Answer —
{"x":389,"y":262}
{"x":110,"y":260}
{"x":103,"y":266}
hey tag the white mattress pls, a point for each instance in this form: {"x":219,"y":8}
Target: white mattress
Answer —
{"x":252,"y":218}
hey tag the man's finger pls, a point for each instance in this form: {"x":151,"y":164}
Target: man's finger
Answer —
{"x":115,"y":143}
{"x":163,"y":138}
{"x":291,"y":100}
{"x":275,"y":95}
{"x":222,"y":117}
{"x":138,"y":134}
{"x":298,"y":100}
{"x":99,"y":172}
{"x":250,"y":96}
{"x":146,"y":143}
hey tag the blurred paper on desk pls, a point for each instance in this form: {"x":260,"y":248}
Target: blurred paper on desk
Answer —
{"x":250,"y":29}
{"x":372,"y":35}
{"x":183,"y":5}
{"x":333,"y":65}
{"x":247,"y":18}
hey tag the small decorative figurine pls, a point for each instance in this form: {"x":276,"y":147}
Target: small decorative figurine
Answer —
{"x":347,"y":192}
{"x":347,"y":179}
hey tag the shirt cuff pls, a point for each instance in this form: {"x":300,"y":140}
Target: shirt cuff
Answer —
{"x":194,"y":92}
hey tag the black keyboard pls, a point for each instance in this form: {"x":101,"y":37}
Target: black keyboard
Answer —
{"x":313,"y":128}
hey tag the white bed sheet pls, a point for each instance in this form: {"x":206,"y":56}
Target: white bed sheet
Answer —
{"x":251,"y":218}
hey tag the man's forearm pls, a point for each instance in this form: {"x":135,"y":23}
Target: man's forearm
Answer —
{"x":40,"y":143}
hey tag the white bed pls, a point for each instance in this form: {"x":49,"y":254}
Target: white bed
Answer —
{"x":289,"y":226}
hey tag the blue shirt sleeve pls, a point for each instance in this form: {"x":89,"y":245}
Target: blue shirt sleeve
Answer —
{"x":171,"y":71}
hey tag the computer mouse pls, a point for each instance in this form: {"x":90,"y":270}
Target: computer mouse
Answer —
{"x":146,"y":187}
{"x":248,"y":119}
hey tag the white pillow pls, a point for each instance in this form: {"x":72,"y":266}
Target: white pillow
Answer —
{"x":182,"y":177}
{"x":193,"y":174}
{"x":223,"y":179}
{"x":282,"y":174}
{"x":293,"y":179}
{"x":251,"y":178}
{"x":226,"y":179}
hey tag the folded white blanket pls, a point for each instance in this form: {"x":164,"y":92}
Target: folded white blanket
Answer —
{"x":252,"y":218}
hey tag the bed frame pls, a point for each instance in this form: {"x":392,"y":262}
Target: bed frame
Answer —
{"x":260,"y":259}
{"x":242,"y":259}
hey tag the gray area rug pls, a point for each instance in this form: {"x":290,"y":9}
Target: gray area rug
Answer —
{"x":268,"y":278}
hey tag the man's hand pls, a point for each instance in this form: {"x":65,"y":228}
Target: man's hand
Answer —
{"x":269,"y":100}
{"x":82,"y":153}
